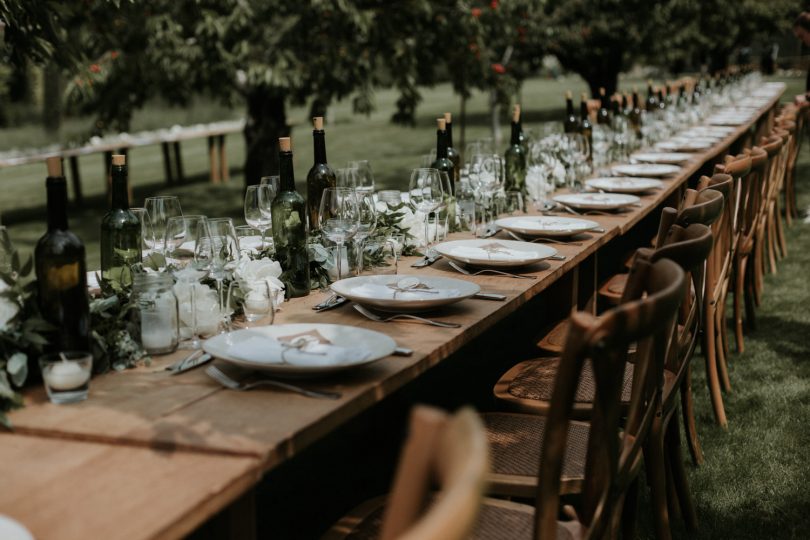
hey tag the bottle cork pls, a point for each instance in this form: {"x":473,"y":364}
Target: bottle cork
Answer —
{"x":441,"y":124}
{"x":448,"y":118}
{"x":119,"y":159}
{"x":54,"y":164}
{"x":516,"y":113}
{"x":284,"y":144}
{"x":601,"y":90}
{"x":583,"y":96}
{"x":568,"y":94}
{"x":317,"y":123}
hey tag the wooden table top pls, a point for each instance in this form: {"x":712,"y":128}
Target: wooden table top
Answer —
{"x":144,"y":412}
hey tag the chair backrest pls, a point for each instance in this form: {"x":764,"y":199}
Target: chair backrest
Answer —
{"x":706,"y":207}
{"x":646,"y":320}
{"x":451,"y":451}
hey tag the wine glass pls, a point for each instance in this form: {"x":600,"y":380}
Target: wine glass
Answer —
{"x":225,"y":246}
{"x":258,"y":201}
{"x":578,"y":151}
{"x":189,"y":249}
{"x":339,"y":218}
{"x":486,"y":178}
{"x":346,"y":178}
{"x":443,"y":211}
{"x":160,"y":210}
{"x":257,"y":299}
{"x":364,"y":181}
{"x":426,"y":194}
{"x":147,"y":232}
{"x":274,"y":181}
{"x":366,"y":223}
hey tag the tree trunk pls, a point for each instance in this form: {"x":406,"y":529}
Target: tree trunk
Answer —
{"x":609,"y":80}
{"x":463,"y":131}
{"x":266,"y":122}
{"x":52,"y":98}
{"x":495,"y":117}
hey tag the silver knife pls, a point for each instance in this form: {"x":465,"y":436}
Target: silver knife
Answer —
{"x":191,"y":364}
{"x":177,"y":365}
{"x":490,"y":296}
{"x":402,"y":351}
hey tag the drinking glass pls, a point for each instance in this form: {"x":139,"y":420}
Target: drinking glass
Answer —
{"x":428,"y":159}
{"x":225,"y":246}
{"x":257,"y":299}
{"x":160,"y":210}
{"x":346,"y":178}
{"x":339,"y":219}
{"x":248,"y":237}
{"x":486,"y":178}
{"x":258,"y":201}
{"x":364,"y":181}
{"x":578,"y":151}
{"x":273,"y":181}
{"x":147,"y":232}
{"x":366,"y":223}
{"x":391,"y":197}
{"x":465,"y":206}
{"x":443,"y":211}
{"x":426,"y":194}
{"x":189,"y":250}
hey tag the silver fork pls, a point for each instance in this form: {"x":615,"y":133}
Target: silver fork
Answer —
{"x":543,"y":239}
{"x":487,"y":271}
{"x":216,"y":374}
{"x":374,"y":317}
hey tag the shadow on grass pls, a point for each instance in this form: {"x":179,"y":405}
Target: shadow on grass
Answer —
{"x":785,"y":337}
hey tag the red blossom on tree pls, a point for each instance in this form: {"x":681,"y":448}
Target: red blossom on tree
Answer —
{"x":95,"y":68}
{"x":493,"y":4}
{"x":476,"y":12}
{"x":498,"y":68}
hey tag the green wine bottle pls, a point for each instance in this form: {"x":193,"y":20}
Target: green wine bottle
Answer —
{"x":120,"y":230}
{"x":61,"y":273}
{"x":652,"y":101}
{"x":443,"y":163}
{"x":290,"y":227}
{"x":603,"y":116}
{"x":452,"y":154}
{"x":524,"y":140}
{"x":320,"y":176}
{"x":515,"y":158}
{"x":635,"y":114}
{"x":586,"y":128}
{"x":571,"y":124}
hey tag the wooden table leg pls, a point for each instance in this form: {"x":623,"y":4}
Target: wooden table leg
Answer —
{"x":212,"y":161}
{"x":223,"y":159}
{"x":167,"y":162}
{"x":76,"y":180}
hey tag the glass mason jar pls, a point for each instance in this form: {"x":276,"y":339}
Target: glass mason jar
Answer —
{"x":158,"y":308}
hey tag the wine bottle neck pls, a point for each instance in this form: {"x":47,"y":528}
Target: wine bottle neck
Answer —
{"x":583,"y":110}
{"x":319,"y":143}
{"x":441,"y":144}
{"x":515,"y":133}
{"x":57,"y":203}
{"x":120,"y":197}
{"x":569,"y":106}
{"x":286,"y":172}
{"x":448,"y":133}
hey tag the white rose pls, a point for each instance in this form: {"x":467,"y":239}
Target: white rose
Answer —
{"x":208,"y":314}
{"x":8,"y":308}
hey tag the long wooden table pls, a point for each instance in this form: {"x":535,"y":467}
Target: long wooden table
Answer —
{"x":142,"y":431}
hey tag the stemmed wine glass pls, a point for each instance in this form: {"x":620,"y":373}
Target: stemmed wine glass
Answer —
{"x":339,"y":219}
{"x":190,"y":252}
{"x":426,"y":194}
{"x":366,"y":223}
{"x":364,"y":180}
{"x":486,"y":178}
{"x":258,"y":201}
{"x":160,"y":210}
{"x":147,"y":232}
{"x":576,"y":146}
{"x":225,"y":246}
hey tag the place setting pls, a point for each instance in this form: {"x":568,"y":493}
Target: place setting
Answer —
{"x":645,"y":169}
{"x":495,"y":257}
{"x":596,"y":203}
{"x":624,"y":184}
{"x":668,"y":158}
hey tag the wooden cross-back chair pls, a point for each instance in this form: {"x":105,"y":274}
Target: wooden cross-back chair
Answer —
{"x":450,"y":450}
{"x":801,"y":110}
{"x":718,"y":275}
{"x":771,"y":226}
{"x":556,"y":455}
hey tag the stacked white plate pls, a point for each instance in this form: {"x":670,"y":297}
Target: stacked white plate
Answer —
{"x":662,"y":157}
{"x":387,"y":294}
{"x":596,"y":201}
{"x":551,"y":226}
{"x":489,"y":252}
{"x":645,"y":169}
{"x":623,"y":184}
{"x":685,"y":145}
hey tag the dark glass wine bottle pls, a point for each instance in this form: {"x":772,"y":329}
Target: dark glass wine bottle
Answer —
{"x":61,"y":273}
{"x":452,"y":154}
{"x":635,"y":114}
{"x":571,"y":123}
{"x":586,"y":128}
{"x":652,"y":101}
{"x":320,"y":176}
{"x":603,"y":116}
{"x":290,"y":227}
{"x":662,"y":103}
{"x":443,"y":163}
{"x":120,"y":229}
{"x":524,"y":140}
{"x":515,"y":158}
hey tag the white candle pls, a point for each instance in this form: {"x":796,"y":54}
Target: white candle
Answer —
{"x":157,"y":337}
{"x":66,"y":376}
{"x":257,"y":302}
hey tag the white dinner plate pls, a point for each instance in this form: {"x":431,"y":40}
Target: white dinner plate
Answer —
{"x":491,"y":252}
{"x":383,"y":292}
{"x":596,"y":201}
{"x":662,"y":157}
{"x":623,"y":184}
{"x":356,"y":347}
{"x":694,"y":145}
{"x":546,"y":225}
{"x":645,"y":169}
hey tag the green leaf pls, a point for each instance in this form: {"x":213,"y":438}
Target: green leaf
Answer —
{"x":18,"y":368}
{"x":5,"y":422}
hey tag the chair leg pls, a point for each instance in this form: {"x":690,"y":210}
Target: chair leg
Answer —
{"x":780,"y":232}
{"x":712,"y":380}
{"x":673,"y":504}
{"x":758,"y":270}
{"x":689,"y":425}
{"x":750,"y":293}
{"x":679,"y":477}
{"x":630,"y":511}
{"x":656,"y":478}
{"x":771,"y":241}
{"x":722,"y":366}
{"x":739,"y":282}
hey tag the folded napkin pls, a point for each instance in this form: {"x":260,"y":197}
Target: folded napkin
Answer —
{"x":257,"y":347}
